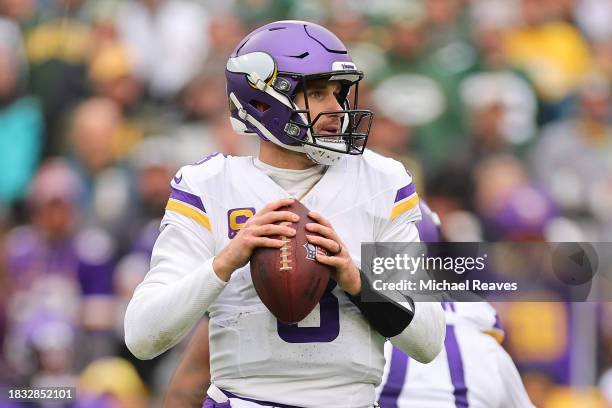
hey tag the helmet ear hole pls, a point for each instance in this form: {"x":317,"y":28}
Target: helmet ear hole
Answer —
{"x":260,"y":106}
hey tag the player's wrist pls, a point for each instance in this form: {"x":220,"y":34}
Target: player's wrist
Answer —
{"x":221,"y":268}
{"x":385,"y":314}
{"x":354,"y":288}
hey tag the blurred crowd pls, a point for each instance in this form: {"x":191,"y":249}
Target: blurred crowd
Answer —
{"x":501,"y":109}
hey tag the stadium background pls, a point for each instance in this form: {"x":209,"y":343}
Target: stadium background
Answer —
{"x":501,"y":109}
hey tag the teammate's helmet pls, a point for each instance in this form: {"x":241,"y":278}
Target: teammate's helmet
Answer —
{"x":266,"y":70}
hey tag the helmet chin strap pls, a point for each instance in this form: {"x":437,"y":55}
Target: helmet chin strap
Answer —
{"x":323,"y":156}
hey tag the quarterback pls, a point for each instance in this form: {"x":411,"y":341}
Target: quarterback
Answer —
{"x":292,"y":84}
{"x":472,"y":370}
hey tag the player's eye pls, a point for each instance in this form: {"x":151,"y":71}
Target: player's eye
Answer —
{"x":315,"y":94}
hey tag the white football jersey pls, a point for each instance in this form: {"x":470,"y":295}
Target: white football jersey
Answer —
{"x":333,"y":358}
{"x":473,"y":370}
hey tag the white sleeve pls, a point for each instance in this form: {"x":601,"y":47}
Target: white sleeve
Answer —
{"x":423,"y":339}
{"x":516,"y":395}
{"x":174,"y":295}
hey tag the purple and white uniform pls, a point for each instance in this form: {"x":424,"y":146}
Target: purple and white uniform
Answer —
{"x":333,"y":358}
{"x":473,"y":369}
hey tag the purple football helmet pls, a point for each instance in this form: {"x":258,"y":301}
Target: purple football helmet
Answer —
{"x":268,"y":68}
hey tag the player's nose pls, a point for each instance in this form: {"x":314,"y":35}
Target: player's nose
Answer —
{"x":332,"y":104}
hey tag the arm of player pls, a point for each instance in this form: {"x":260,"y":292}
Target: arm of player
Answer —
{"x":423,"y":338}
{"x":174,"y":295}
{"x":187,"y":387}
{"x":421,"y":327}
{"x":185,"y":278}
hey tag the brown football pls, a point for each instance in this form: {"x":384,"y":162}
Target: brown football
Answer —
{"x":290,"y":281}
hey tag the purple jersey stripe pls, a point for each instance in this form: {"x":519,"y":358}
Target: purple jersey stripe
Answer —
{"x":448,"y":306}
{"x":187,"y":198}
{"x":398,"y":370}
{"x":273,"y":404}
{"x":455,"y":366}
{"x":404,"y":192}
{"x":209,"y":403}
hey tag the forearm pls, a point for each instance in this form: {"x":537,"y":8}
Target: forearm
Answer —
{"x":172,"y":298}
{"x":159,"y":315}
{"x":418,"y":329}
{"x":423,"y":339}
{"x":389,"y":313}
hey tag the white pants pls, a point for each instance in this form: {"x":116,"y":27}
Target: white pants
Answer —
{"x":218,"y":396}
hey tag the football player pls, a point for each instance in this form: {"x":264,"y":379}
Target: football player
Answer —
{"x":473,"y":369}
{"x":187,"y":387}
{"x":293,"y":84}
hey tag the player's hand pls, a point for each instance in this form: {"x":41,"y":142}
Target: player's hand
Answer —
{"x":255,"y":233}
{"x":346,"y":275}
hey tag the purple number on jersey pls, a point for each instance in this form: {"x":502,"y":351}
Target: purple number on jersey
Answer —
{"x":328,"y":329}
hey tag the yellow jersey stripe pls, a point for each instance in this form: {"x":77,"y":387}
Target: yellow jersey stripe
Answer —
{"x":496,"y":334}
{"x":188,"y":211}
{"x":404,"y":206}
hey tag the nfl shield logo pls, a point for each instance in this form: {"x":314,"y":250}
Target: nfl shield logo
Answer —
{"x":311,"y":251}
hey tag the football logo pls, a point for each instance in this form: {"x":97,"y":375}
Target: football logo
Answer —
{"x":343,"y":66}
{"x":312,"y":250}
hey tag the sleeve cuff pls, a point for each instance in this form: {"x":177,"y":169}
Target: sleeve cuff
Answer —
{"x":215,"y":279}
